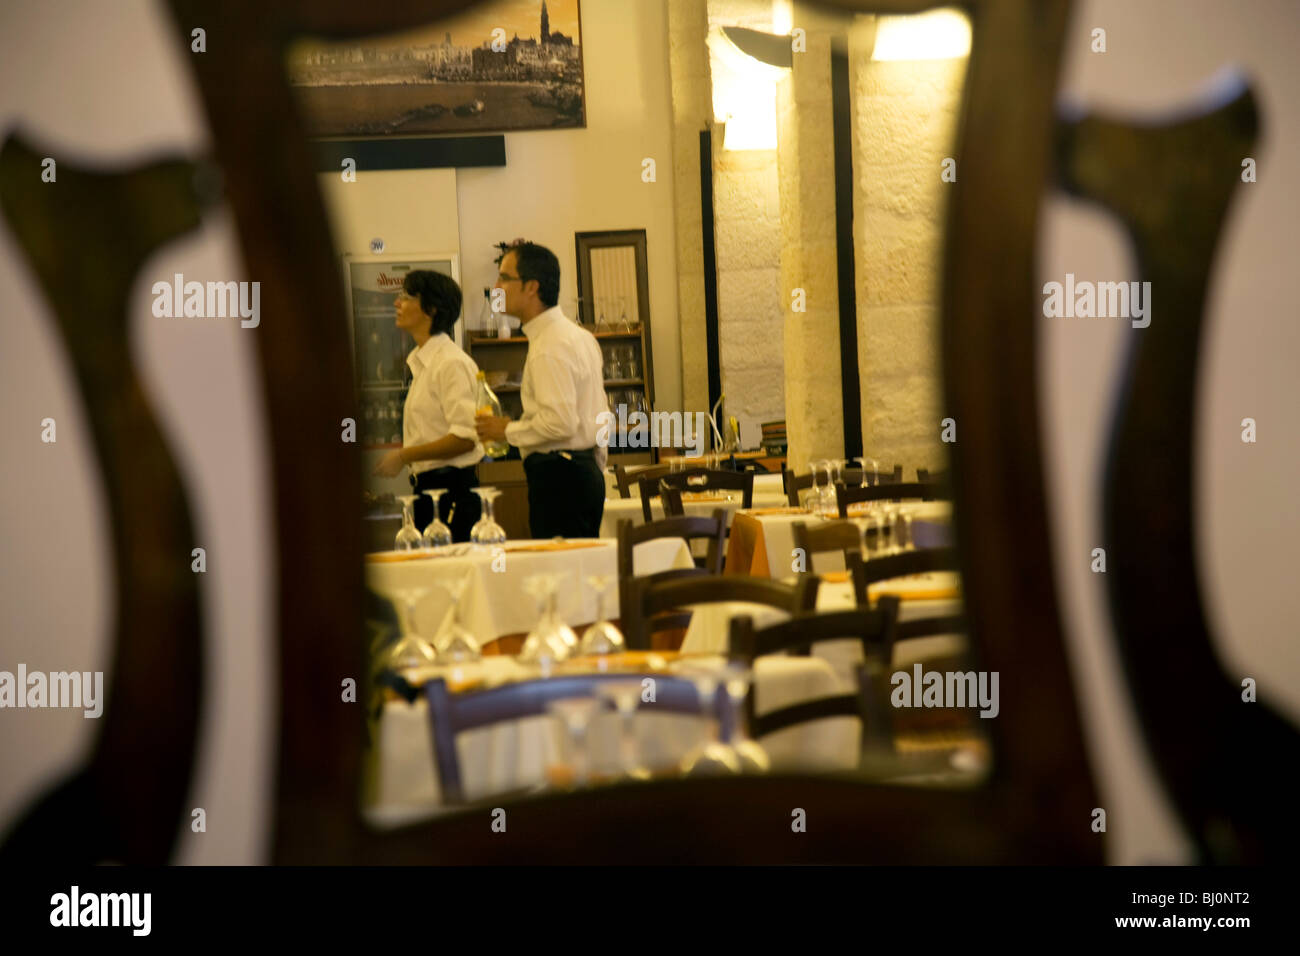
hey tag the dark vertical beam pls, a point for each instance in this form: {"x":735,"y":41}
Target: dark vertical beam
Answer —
{"x":842,"y":138}
{"x":710,"y":266}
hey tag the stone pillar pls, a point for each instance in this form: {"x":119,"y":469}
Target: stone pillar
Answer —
{"x":688,"y":59}
{"x":905,"y":123}
{"x":813,"y":397}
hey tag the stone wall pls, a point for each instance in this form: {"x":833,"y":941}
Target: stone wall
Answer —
{"x":905,"y":123}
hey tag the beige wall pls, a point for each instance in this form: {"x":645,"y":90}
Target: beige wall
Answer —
{"x":904,"y":124}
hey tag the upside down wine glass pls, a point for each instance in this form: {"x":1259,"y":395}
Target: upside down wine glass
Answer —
{"x":749,"y":752}
{"x":601,"y":637}
{"x":408,"y":539}
{"x":486,"y":530}
{"x":411,"y":650}
{"x":458,"y":646}
{"x":551,"y":640}
{"x":436,"y":534}
{"x":710,"y":757}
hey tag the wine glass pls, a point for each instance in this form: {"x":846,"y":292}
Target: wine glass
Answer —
{"x":753,"y":758}
{"x":550,"y":641}
{"x":575,"y":714}
{"x":710,"y":757}
{"x":625,"y":696}
{"x":458,"y":646}
{"x":486,"y":530}
{"x":601,"y":637}
{"x":812,"y":503}
{"x":411,"y":650}
{"x":905,"y":516}
{"x":408,"y":539}
{"x":436,"y":534}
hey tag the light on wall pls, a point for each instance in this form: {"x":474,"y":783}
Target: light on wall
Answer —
{"x":936,"y":35}
{"x":746,"y":66}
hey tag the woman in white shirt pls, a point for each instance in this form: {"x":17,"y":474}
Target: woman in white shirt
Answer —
{"x":439,"y":441}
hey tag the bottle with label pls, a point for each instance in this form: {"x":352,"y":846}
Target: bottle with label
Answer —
{"x":486,"y":320}
{"x":488,"y":404}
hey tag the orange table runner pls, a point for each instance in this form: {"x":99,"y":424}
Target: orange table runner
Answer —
{"x":746,"y":547}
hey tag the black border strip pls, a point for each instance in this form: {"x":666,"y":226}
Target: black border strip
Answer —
{"x":710,"y":266}
{"x":842,"y":131}
{"x":426,"y":152}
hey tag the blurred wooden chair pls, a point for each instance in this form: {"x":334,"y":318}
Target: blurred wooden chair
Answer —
{"x":841,"y":536}
{"x":625,"y":477}
{"x":873,"y":628}
{"x":647,"y":599}
{"x":693,"y":480}
{"x":846,"y":495}
{"x":453,"y":713}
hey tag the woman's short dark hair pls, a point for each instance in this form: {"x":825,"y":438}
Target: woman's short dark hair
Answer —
{"x":534,"y":262}
{"x":439,"y":297}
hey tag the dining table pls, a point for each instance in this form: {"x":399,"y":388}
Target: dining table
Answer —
{"x":761,"y":539}
{"x":401,"y":780}
{"x":768,"y":492}
{"x":495,"y":602}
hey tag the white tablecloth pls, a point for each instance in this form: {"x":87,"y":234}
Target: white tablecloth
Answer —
{"x":617,"y":509}
{"x":403,"y":784}
{"x":710,"y":624}
{"x":495,"y":602}
{"x":778,"y":533}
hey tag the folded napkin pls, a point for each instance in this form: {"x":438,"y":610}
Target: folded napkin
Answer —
{"x":788,"y":510}
{"x":626,"y":661}
{"x":553,"y":545}
{"x":389,"y":557}
{"x":920,"y":587}
{"x":704,"y":496}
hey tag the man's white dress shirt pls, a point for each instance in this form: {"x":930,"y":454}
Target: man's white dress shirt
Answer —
{"x":440,"y":401}
{"x":563,"y":389}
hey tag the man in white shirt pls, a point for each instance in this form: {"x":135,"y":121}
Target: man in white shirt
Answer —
{"x":439,"y":442}
{"x":563,"y":393}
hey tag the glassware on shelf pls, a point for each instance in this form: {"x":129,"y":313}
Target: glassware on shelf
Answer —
{"x":408,"y":539}
{"x":487,"y":403}
{"x":456,"y":645}
{"x":602,"y":637}
{"x":436,"y":534}
{"x":411,"y":650}
{"x":623,"y":324}
{"x":486,"y":530}
{"x":551,"y":640}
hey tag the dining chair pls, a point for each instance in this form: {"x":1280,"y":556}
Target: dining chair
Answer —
{"x":696,"y":479}
{"x":453,"y":713}
{"x":905,"y":563}
{"x":846,"y":495}
{"x":873,"y":628}
{"x":842,"y":536}
{"x":691,"y":529}
{"x":625,"y":477}
{"x":647,"y":598}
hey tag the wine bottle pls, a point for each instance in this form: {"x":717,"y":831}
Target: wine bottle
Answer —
{"x":488,"y":404}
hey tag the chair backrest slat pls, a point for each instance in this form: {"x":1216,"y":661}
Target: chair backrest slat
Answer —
{"x":452,"y":714}
{"x":846,"y":495}
{"x":649,"y":597}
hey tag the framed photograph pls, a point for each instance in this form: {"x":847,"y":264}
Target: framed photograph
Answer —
{"x":502,"y":65}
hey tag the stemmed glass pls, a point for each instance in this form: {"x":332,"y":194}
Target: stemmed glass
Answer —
{"x":408,"y":539}
{"x":753,"y":758}
{"x":576,"y":713}
{"x":486,"y":530}
{"x":411,"y":650}
{"x":551,"y":640}
{"x":828,"y":506}
{"x":601,"y":637}
{"x":436,"y":534}
{"x":626,"y":696}
{"x":814,"y":499}
{"x":458,"y":646}
{"x":710,"y":757}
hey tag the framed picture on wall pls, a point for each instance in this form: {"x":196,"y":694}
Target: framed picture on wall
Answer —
{"x":501,"y":65}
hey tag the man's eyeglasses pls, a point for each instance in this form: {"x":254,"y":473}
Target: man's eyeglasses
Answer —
{"x":403,"y":296}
